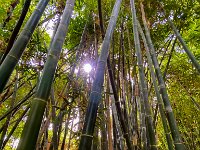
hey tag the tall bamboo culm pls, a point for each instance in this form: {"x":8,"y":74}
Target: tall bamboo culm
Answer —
{"x":19,"y":46}
{"x":116,"y":97}
{"x":181,"y":40}
{"x":170,"y":116}
{"x":16,"y":29}
{"x":95,"y":95}
{"x":159,"y":99}
{"x":188,"y":52}
{"x":33,"y":123}
{"x":148,"y":117}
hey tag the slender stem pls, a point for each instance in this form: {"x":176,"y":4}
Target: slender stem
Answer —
{"x":15,"y":127}
{"x":170,"y":115}
{"x":108,"y":118}
{"x":9,"y":116}
{"x":33,"y":123}
{"x":19,"y":46}
{"x":16,"y":29}
{"x":19,"y":104}
{"x":160,"y":105}
{"x":188,"y":52}
{"x":111,"y":76}
{"x":148,"y":116}
{"x":95,"y":96}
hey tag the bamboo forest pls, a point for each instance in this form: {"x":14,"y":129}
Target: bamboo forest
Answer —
{"x":99,"y":75}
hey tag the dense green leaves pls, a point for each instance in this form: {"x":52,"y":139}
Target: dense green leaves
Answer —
{"x":182,"y":79}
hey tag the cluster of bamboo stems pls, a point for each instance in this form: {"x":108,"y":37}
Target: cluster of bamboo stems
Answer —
{"x":31,"y":131}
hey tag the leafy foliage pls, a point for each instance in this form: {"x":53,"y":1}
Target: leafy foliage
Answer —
{"x":182,"y":79}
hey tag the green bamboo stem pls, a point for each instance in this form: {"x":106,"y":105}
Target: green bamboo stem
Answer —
{"x":7,"y":94}
{"x":104,"y":140}
{"x":134,"y":110}
{"x":141,"y":112}
{"x":70,"y":134}
{"x":116,"y":120}
{"x":169,"y":60}
{"x":6,"y":125}
{"x":170,"y":116}
{"x":108,"y":118}
{"x":188,"y":52}
{"x":10,"y":11}
{"x":14,"y":127}
{"x":160,"y":105}
{"x":1,"y":54}
{"x":16,"y":29}
{"x":120,"y":113}
{"x":95,"y":96}
{"x":33,"y":123}
{"x":54,"y":142}
{"x":43,"y":129}
{"x":19,"y":46}
{"x":16,"y":107}
{"x":148,"y":116}
{"x":66,"y":128}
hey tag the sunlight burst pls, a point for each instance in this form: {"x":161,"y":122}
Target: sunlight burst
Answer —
{"x":87,"y":68}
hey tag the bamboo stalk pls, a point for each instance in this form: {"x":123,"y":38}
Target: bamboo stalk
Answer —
{"x":148,"y":117}
{"x":19,"y":46}
{"x":44,"y":128}
{"x":104,"y":140}
{"x":14,"y":127}
{"x":111,"y":76}
{"x":95,"y":96}
{"x":10,"y":12}
{"x":54,"y":143}
{"x":66,"y":128}
{"x":188,"y":52}
{"x":70,"y":134}
{"x":160,"y":105}
{"x":168,"y":62}
{"x":108,"y":119}
{"x":141,"y":112}
{"x":170,"y":115}
{"x":18,"y":104}
{"x":116,"y":121}
{"x":6,"y":125}
{"x":33,"y":123}
{"x":16,"y":29}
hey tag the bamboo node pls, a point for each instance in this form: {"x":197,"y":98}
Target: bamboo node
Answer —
{"x":143,"y":128}
{"x":145,"y":88}
{"x":102,"y":61}
{"x":69,"y":4}
{"x":52,"y":55}
{"x":87,"y":135}
{"x":95,"y":92}
{"x":162,"y":86}
{"x":27,"y":30}
{"x":168,"y":109}
{"x":12,"y":56}
{"x":39,"y":99}
{"x":151,"y":53}
{"x":126,"y":133}
{"x":38,"y":10}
